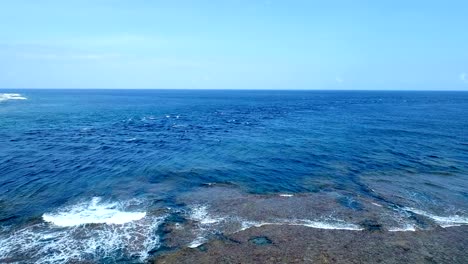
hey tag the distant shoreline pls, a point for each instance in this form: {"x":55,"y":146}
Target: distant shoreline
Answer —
{"x":299,"y":244}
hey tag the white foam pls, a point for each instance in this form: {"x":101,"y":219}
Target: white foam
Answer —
{"x":443,"y":221}
{"x":197,"y":242}
{"x":335,"y":224}
{"x":338,"y":225}
{"x":376,"y":204}
{"x":45,"y":243}
{"x":406,"y":228}
{"x":286,"y":195}
{"x":11,"y":96}
{"x":200,"y":214}
{"x":94,"y":212}
{"x":206,"y":223}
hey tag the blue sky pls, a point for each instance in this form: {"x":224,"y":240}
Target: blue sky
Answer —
{"x":399,"y":44}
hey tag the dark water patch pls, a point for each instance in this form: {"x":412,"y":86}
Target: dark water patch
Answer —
{"x":176,"y":218}
{"x":421,"y":221}
{"x":8,"y":218}
{"x":203,"y":248}
{"x":226,"y":239}
{"x":431,"y":184}
{"x":219,"y":184}
{"x":371,"y":225}
{"x":364,"y":189}
{"x":350,"y":203}
{"x":260,"y":241}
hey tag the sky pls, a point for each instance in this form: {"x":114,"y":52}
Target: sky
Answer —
{"x":243,"y":44}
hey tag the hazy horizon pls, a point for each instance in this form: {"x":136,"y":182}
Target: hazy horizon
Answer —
{"x":238,"y":89}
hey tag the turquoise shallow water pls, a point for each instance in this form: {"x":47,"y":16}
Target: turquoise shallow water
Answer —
{"x":129,"y":162}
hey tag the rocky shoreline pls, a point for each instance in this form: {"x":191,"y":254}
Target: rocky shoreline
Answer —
{"x":300,"y":244}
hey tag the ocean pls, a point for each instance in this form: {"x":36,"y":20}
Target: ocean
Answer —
{"x":109,"y":176}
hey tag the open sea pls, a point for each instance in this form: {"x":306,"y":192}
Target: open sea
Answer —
{"x":109,"y":176}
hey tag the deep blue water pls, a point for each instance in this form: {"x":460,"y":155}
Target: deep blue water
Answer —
{"x":63,"y":147}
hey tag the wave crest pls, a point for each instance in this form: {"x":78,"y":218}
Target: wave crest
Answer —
{"x":443,"y":221}
{"x":69,"y":236}
{"x":94,"y":212}
{"x":11,"y":96}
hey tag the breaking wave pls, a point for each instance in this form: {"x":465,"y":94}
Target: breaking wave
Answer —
{"x":11,"y":96}
{"x":86,"y":232}
{"x":443,"y":221}
{"x":94,"y":212}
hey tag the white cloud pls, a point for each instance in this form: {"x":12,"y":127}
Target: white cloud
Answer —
{"x":68,"y":56}
{"x":114,"y":41}
{"x":339,"y":79}
{"x":464,"y":77}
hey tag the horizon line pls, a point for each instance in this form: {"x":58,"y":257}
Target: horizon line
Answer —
{"x":246,"y":89}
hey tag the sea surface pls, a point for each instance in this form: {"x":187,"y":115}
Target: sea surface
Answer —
{"x":109,"y":176}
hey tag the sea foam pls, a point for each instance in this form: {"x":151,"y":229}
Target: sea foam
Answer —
{"x":200,"y":214}
{"x":443,"y":221}
{"x":67,"y":238}
{"x":406,"y":228}
{"x":337,"y":225}
{"x":11,"y":96}
{"x":208,"y":223}
{"x":205,"y":224}
{"x":200,"y":240}
{"x":93,"y":212}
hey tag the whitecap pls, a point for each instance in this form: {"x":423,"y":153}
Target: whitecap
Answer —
{"x":11,"y":96}
{"x":286,"y":195}
{"x":67,"y":240}
{"x":42,"y":244}
{"x":443,"y":221}
{"x":93,"y":212}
